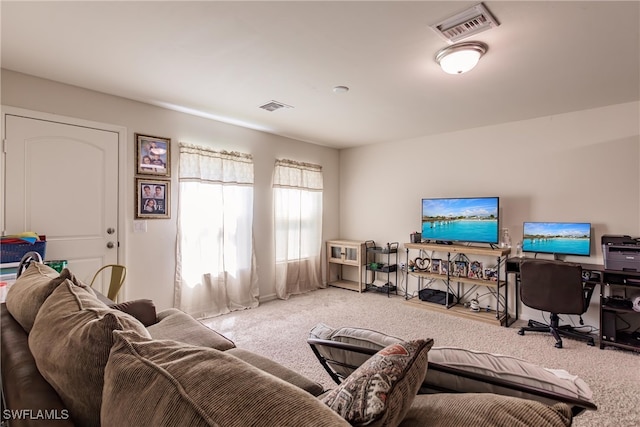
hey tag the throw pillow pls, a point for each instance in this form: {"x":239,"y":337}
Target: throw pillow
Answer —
{"x":142,"y":309}
{"x":167,"y":383}
{"x":380,"y":391}
{"x":26,"y":295}
{"x":70,"y":342}
{"x":483,"y":409}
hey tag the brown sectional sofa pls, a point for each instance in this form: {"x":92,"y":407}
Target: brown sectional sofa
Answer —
{"x":70,"y":357}
{"x":24,"y":386}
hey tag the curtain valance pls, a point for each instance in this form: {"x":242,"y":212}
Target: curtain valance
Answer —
{"x":204,"y":164}
{"x":292,"y":174}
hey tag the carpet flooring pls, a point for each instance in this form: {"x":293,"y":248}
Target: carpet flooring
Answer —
{"x":278,"y":329}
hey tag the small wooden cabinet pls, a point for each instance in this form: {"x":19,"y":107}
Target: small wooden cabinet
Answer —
{"x":345,"y":261}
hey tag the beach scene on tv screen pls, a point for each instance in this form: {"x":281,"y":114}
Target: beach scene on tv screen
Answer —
{"x":557,"y":238}
{"x":461,"y":220}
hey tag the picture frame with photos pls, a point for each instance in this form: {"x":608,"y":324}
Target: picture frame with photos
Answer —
{"x":153,"y":155}
{"x":435,"y":265}
{"x":491,"y":273}
{"x":153,"y":198}
{"x":460,"y":268}
{"x":475,"y":270}
{"x":444,"y":267}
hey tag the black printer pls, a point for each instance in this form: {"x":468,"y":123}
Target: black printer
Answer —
{"x":621,"y":253}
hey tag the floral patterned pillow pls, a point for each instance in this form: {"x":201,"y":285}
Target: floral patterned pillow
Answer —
{"x":381,"y":390}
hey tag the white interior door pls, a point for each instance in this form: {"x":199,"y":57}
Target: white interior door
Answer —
{"x":62,"y":181}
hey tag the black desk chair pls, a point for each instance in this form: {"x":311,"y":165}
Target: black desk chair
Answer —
{"x":556,"y":287}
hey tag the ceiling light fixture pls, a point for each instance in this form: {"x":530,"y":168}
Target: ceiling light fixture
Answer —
{"x":460,"y":57}
{"x":341,"y":89}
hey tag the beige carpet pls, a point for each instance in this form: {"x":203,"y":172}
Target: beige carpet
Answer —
{"x":279,"y":329}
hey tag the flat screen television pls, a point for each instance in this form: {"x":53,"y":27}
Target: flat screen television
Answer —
{"x":461,"y":219}
{"x":558,"y":238}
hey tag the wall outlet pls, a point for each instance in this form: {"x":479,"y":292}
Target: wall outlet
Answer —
{"x":402,"y":266}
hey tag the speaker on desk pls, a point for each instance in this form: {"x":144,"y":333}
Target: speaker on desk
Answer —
{"x":608,"y":326}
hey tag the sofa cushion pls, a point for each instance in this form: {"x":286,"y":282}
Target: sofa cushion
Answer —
{"x":509,"y":368}
{"x":361,"y":337}
{"x":70,"y":342}
{"x":274,"y":368}
{"x":168,"y":383}
{"x":24,"y":387}
{"x":380,"y":391}
{"x":177,"y":325}
{"x":504,"y":367}
{"x":142,"y":309}
{"x":26,"y":295}
{"x":485,"y":409}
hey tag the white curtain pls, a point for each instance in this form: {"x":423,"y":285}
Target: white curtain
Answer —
{"x":297,"y":196}
{"x":215,"y":265}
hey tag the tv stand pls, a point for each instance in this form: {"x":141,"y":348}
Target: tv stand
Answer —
{"x":462,"y":288}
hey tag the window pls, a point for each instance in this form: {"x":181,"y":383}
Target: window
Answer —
{"x":215,"y":270}
{"x":297,"y":198}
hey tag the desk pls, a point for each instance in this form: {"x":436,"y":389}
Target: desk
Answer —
{"x":612,"y":284}
{"x":593,"y":274}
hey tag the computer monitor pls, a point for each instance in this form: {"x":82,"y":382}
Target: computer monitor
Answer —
{"x":557,"y":238}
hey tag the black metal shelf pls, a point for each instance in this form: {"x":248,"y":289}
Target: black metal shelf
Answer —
{"x":382,"y":261}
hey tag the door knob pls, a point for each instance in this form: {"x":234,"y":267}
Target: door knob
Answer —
{"x":110,"y":245}
{"x":111,"y":230}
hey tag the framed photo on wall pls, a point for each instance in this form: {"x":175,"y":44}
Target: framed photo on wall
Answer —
{"x":153,"y":198}
{"x":153,"y":155}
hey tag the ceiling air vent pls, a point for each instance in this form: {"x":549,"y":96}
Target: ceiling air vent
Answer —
{"x":274,"y":105}
{"x":465,"y":24}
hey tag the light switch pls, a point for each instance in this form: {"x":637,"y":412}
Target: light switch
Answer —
{"x":140,"y":226}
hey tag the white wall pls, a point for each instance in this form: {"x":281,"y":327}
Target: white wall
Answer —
{"x":150,"y":257}
{"x":581,"y":166}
